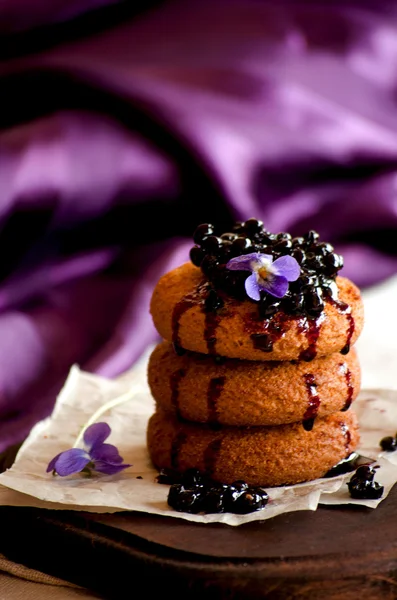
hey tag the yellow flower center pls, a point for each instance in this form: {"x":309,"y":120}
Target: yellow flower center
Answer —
{"x":263,"y":272}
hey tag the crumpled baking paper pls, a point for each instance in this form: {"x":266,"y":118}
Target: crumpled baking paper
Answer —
{"x":26,"y":483}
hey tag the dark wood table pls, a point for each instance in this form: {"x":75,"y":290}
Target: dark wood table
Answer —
{"x":333,"y":553}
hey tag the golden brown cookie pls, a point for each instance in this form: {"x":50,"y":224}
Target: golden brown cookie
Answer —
{"x":237,"y":392}
{"x":261,"y":456}
{"x":237,"y":331}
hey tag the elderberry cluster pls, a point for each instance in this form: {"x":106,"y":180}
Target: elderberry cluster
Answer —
{"x":362,"y":485}
{"x":318,"y":262}
{"x":195,"y":493}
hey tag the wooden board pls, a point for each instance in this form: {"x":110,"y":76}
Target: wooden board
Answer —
{"x":333,"y":553}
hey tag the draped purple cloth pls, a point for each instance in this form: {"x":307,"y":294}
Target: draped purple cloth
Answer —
{"x":114,"y":145}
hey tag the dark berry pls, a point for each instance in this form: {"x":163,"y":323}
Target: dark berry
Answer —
{"x":228,"y":237}
{"x":240,"y":244}
{"x":202,"y":231}
{"x":249,"y":501}
{"x":365,"y":490}
{"x":333,"y":263}
{"x":389,"y":443}
{"x":299,"y":255}
{"x":282,"y":245}
{"x":330,"y":289}
{"x":209,"y":266}
{"x":311,"y":236}
{"x":294,"y":303}
{"x":314,"y":301}
{"x":323,"y":249}
{"x":213,"y":500}
{"x":313,"y":261}
{"x":196,"y":256}
{"x":213,"y":302}
{"x":298,"y":242}
{"x":192,"y":478}
{"x":212,"y":243}
{"x":364,"y":473}
{"x":268,"y":306}
{"x":184,"y":500}
{"x":233,"y":491}
{"x":253,"y":225}
{"x":283,"y":237}
{"x":305,"y":280}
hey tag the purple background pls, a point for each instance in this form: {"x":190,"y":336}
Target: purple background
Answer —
{"x":123,"y":129}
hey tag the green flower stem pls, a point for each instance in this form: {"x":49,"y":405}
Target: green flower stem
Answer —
{"x":107,"y":406}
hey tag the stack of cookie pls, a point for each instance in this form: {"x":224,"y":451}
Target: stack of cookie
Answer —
{"x":250,"y":385}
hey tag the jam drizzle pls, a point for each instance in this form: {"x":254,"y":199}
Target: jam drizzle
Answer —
{"x":215,"y":388}
{"x":211,"y":324}
{"x":273,"y":330}
{"x":346,"y":432}
{"x":188,"y":301}
{"x":345,"y":309}
{"x":311,"y":328}
{"x":314,"y":402}
{"x":350,"y":387}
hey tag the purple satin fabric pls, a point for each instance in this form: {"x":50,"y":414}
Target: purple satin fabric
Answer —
{"x":115,"y":145}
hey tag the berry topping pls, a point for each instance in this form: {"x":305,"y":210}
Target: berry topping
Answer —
{"x":194,"y":493}
{"x":362,"y":485}
{"x":244,"y":262}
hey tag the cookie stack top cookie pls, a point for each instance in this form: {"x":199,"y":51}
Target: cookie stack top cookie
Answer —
{"x":253,"y":295}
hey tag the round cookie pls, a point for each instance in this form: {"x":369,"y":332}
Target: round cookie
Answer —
{"x":236,"y":330}
{"x":234,"y":392}
{"x":261,"y":456}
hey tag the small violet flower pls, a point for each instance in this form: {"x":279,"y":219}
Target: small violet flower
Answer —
{"x":266,"y":275}
{"x":98,"y":456}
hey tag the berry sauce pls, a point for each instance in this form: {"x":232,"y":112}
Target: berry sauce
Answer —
{"x":215,"y":388}
{"x":211,"y":324}
{"x":348,"y":436}
{"x":271,"y":330}
{"x":345,"y":309}
{"x":193,"y":492}
{"x":350,"y":388}
{"x":311,"y":328}
{"x":181,"y":307}
{"x":314,"y":402}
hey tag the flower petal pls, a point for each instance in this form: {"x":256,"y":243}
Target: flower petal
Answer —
{"x":71,"y":461}
{"x":108,"y":468}
{"x":96,"y":434}
{"x":277,"y":286}
{"x":51,"y":464}
{"x":252,"y":287}
{"x":106,"y":453}
{"x":287,"y":267}
{"x":244,"y":262}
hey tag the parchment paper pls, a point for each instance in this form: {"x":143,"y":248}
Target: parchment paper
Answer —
{"x":136,"y":488}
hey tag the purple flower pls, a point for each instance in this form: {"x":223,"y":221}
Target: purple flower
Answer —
{"x":266,"y":275}
{"x":98,"y":456}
